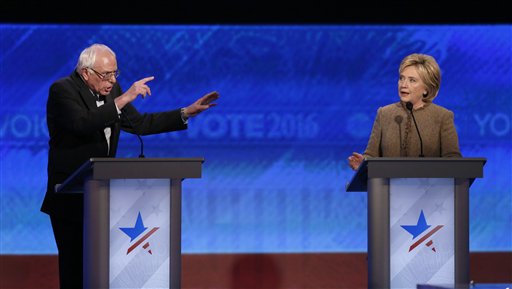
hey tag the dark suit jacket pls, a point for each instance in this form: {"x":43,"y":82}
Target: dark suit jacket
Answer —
{"x":76,"y":127}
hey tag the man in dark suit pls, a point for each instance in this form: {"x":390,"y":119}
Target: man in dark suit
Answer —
{"x":85,"y":113}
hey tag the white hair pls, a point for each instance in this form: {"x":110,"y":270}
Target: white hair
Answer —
{"x":88,"y":56}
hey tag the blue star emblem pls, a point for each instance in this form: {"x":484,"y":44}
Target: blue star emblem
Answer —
{"x":420,"y":227}
{"x":136,"y":230}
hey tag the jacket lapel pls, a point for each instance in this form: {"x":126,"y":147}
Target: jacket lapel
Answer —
{"x":116,"y":128}
{"x":114,"y":139}
{"x":85,"y":92}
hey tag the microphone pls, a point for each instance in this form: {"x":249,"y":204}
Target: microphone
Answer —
{"x":136,"y":133}
{"x":398,"y":120}
{"x":409,"y":107}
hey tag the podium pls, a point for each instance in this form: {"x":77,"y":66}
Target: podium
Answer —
{"x":418,"y":219}
{"x":132,"y":220}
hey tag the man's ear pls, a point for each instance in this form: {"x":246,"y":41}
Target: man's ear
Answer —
{"x":84,"y":74}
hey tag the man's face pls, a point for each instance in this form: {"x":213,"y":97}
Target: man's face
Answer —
{"x":102,"y":76}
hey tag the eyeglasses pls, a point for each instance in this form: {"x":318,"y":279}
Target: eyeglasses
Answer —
{"x":106,"y":75}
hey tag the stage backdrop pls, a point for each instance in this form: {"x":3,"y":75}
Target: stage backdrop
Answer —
{"x":295,"y":102}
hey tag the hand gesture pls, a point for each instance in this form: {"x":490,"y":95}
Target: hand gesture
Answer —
{"x":138,"y":88}
{"x":201,"y":104}
{"x":355,"y":160}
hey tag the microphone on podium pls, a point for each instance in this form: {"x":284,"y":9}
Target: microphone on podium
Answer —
{"x":398,"y":120}
{"x":409,"y":107}
{"x":136,"y":133}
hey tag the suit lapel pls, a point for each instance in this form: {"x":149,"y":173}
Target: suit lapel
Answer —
{"x":116,"y":128}
{"x":85,"y":92}
{"x":88,"y":98}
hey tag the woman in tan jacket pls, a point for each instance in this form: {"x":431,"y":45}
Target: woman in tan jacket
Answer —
{"x":394,"y":133}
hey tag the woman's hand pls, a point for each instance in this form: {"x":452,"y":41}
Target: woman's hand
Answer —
{"x":355,"y":160}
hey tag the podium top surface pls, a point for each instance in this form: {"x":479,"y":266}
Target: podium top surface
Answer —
{"x":468,"y":168}
{"x":134,"y":168}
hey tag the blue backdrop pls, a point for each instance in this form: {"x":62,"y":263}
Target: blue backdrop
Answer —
{"x":295,"y":102}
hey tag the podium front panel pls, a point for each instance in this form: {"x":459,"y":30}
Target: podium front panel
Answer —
{"x":140,"y":211}
{"x":132,"y":220}
{"x":434,"y":206}
{"x":422,"y":232}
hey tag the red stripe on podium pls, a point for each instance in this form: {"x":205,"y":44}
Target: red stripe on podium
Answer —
{"x":141,"y":240}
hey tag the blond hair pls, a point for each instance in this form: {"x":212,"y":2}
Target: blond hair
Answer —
{"x":428,"y":70}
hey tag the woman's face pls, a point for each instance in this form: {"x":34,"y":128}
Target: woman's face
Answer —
{"x":410,"y":86}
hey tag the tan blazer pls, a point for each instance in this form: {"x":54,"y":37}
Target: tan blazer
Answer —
{"x":394,"y":134}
